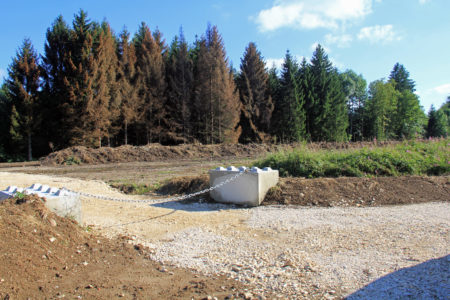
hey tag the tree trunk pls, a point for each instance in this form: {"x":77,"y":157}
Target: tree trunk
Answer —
{"x":126,"y":132}
{"x":30,"y":156}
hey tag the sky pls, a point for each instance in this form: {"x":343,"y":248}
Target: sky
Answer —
{"x":366,"y":36}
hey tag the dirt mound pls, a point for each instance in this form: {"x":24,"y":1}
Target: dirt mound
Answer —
{"x":343,"y":191}
{"x":157,"y":152}
{"x":46,"y":256}
{"x":152,"y":152}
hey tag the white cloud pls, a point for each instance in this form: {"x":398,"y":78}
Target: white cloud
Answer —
{"x":424,"y":1}
{"x":314,"y":46}
{"x":336,"y":63}
{"x":342,"y":41}
{"x":278,"y":62}
{"x":443,"y":89}
{"x":310,"y":14}
{"x":378,"y":34}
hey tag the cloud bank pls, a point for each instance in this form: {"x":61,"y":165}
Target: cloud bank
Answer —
{"x":378,"y":34}
{"x":311,"y":14}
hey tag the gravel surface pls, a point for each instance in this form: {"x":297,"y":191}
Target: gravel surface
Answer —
{"x":293,"y":252}
{"x":325,"y":252}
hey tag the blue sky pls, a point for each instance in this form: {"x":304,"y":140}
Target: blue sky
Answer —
{"x":367,"y":36}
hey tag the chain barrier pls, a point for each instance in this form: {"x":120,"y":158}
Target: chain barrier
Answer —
{"x":178,"y":198}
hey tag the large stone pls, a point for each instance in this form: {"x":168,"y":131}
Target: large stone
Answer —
{"x":250,"y":188}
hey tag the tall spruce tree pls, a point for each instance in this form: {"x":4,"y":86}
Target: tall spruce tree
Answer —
{"x":180,"y":81}
{"x":437,"y":123}
{"x":5,"y":124}
{"x":254,"y":92}
{"x":401,"y":77}
{"x":55,"y":63}
{"x":23,"y":86}
{"x":326,"y":101}
{"x":289,"y":106}
{"x":78,"y":82}
{"x":130,"y":103}
{"x":216,"y":100}
{"x":151,"y":83}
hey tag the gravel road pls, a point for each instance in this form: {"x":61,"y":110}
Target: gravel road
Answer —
{"x":293,"y":252}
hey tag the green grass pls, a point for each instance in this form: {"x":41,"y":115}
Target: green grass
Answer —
{"x":408,"y":158}
{"x":135,"y":188}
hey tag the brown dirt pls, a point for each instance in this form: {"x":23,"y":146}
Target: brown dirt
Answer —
{"x":46,"y":256}
{"x":343,"y":191}
{"x":157,"y":152}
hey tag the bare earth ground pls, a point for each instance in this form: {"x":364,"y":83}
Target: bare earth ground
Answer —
{"x":288,"y":251}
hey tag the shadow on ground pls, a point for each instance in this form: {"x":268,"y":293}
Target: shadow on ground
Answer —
{"x":428,"y":280}
{"x":196,"y":206}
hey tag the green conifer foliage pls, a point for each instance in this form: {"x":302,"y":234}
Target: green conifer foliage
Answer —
{"x":326,"y":101}
{"x":180,"y":81}
{"x":23,"y":86}
{"x":54,"y":97}
{"x":289,"y":105}
{"x":437,"y":123}
{"x":401,"y":78}
{"x":254,"y":92}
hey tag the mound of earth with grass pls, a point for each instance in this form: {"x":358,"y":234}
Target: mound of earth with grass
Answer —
{"x":342,"y":191}
{"x":157,"y":152}
{"x":46,"y":256}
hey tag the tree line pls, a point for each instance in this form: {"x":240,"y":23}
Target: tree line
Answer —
{"x":92,"y":87}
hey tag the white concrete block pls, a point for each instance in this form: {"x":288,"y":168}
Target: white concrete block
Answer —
{"x":61,"y":202}
{"x":248,"y":189}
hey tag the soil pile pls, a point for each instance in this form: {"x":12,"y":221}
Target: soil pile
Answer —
{"x":46,"y":256}
{"x":158,"y":152}
{"x":342,"y":191}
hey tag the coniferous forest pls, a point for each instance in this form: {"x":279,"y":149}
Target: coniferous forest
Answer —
{"x":96,"y":88}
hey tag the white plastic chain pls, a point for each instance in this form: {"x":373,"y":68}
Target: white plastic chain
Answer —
{"x":178,"y":198}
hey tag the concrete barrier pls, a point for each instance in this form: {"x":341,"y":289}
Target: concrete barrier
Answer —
{"x":61,"y":202}
{"x":248,"y":189}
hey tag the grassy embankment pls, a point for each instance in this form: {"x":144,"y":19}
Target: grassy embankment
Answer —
{"x":431,"y":157}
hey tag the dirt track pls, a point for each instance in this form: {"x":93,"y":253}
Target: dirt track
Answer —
{"x":268,"y":239}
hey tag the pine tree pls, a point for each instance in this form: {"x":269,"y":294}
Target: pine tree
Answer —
{"x":131,"y":106}
{"x":55,"y":64}
{"x":151,"y":82}
{"x":304,"y":79}
{"x":256,"y":101}
{"x":437,"y":123}
{"x":216,"y":101}
{"x":289,"y":107}
{"x":180,"y":81}
{"x":79,"y":81}
{"x":401,"y":78}
{"x":5,"y":124}
{"x":23,"y":86}
{"x":326,"y":101}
